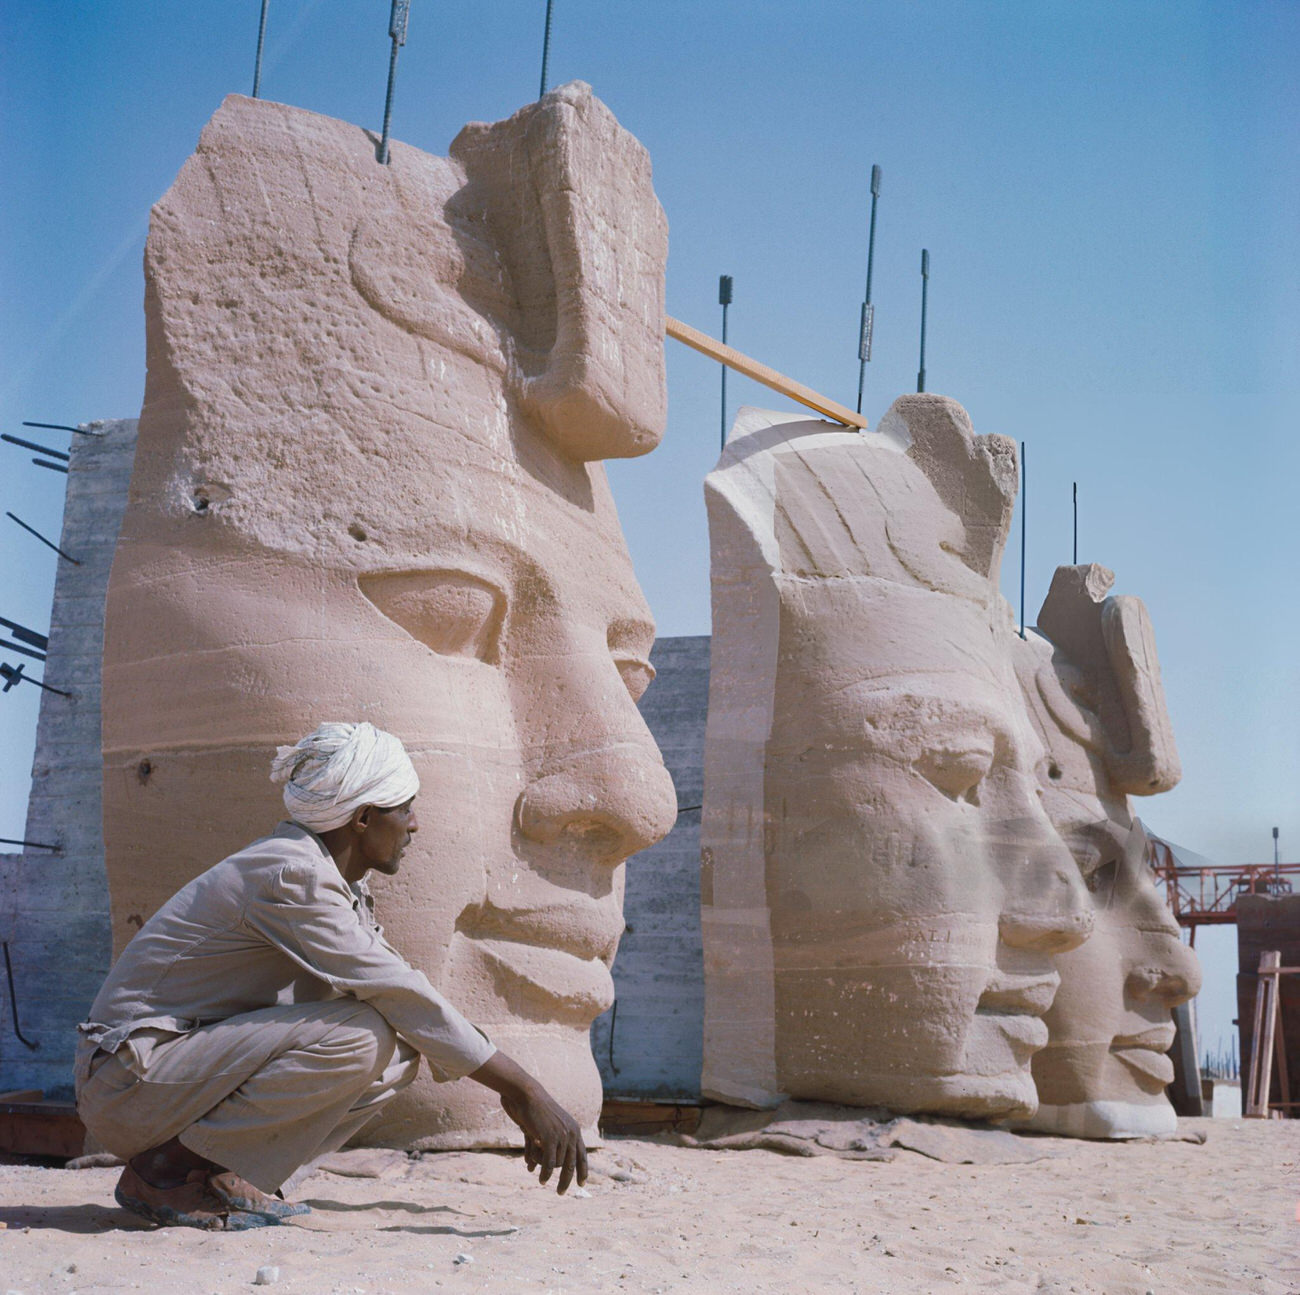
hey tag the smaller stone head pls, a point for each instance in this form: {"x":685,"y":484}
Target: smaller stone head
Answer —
{"x":1091,"y":679}
{"x":883,"y":891}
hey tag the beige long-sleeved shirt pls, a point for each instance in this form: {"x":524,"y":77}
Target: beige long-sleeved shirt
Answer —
{"x":274,"y":924}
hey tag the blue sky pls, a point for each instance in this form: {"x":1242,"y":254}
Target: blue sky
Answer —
{"x":1107,"y":190}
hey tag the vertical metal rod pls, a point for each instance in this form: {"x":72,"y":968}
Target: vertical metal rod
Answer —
{"x":1075,"y":492}
{"x":546,"y":47}
{"x":867,"y":323}
{"x":724,"y":300}
{"x":925,"y":293}
{"x":397,"y":30}
{"x":1024,"y":509}
{"x":1277,"y":870}
{"x":261,"y":40}
{"x":13,"y":1003}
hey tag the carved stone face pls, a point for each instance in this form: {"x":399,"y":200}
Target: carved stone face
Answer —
{"x":1104,"y":1071}
{"x":914,"y":888}
{"x":367,"y":489}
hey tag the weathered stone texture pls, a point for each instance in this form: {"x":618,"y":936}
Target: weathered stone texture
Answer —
{"x":370,"y":488}
{"x":1091,"y":680}
{"x":881,"y":891}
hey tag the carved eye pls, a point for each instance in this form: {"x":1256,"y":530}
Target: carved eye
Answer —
{"x":957,"y":772}
{"x":1101,"y":883}
{"x":1097,"y":849}
{"x":636,"y":673}
{"x":451,"y":612}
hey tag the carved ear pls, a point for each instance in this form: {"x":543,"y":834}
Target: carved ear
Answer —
{"x":566,"y":193}
{"x":975,"y":476}
{"x":1111,"y":641}
{"x":1151,"y":764}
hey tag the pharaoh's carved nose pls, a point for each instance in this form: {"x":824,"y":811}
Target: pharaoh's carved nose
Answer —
{"x":1047,"y":909}
{"x":1170,"y":974}
{"x":611,"y":803}
{"x":1046,"y":932}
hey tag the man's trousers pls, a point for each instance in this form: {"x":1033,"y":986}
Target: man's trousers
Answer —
{"x":261,"y":1093}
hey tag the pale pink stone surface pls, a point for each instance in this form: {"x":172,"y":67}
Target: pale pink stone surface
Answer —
{"x":1092,"y":681}
{"x":882,"y":891}
{"x":368,"y":488}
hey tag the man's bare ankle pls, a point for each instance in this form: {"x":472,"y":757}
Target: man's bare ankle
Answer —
{"x":169,"y":1165}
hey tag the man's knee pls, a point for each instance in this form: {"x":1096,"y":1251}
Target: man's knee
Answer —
{"x":367,"y":1039}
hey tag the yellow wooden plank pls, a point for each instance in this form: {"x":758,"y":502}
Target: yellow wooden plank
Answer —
{"x":751,"y":368}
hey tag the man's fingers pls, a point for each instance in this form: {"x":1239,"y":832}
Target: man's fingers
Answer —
{"x":566,"y":1173}
{"x":582,"y":1161}
{"x":548,"y":1161}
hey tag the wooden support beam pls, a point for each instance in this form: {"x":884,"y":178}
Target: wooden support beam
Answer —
{"x":1263,"y":1036}
{"x":742,"y":363}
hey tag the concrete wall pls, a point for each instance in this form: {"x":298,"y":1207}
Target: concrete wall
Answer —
{"x":649,"y":1045}
{"x":54,"y":905}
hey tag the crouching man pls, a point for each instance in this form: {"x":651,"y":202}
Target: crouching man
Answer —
{"x":260,"y":1018}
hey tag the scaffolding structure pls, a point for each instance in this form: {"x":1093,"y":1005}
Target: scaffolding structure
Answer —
{"x":1207,"y":896}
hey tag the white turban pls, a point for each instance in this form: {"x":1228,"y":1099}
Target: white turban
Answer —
{"x":336,"y":770}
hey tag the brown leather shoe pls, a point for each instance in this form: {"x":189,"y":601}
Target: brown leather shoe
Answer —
{"x":192,"y":1204}
{"x":239,"y":1194}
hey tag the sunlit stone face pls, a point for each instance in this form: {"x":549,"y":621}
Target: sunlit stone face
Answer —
{"x":1104,"y":1070}
{"x":914,"y":889}
{"x":367,"y":489}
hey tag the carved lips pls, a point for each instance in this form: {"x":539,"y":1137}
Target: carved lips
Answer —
{"x":1144,"y":1055}
{"x":559,"y":949}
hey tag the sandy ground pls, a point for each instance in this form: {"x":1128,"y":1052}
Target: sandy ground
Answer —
{"x":1173,"y":1217}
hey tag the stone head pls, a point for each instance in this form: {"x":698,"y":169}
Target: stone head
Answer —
{"x":1092,"y":682}
{"x":369,"y":487}
{"x":911,"y":889}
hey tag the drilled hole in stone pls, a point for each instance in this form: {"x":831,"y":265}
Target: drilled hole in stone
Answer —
{"x":143,"y":770}
{"x":357,"y":531}
{"x":200,"y":502}
{"x":1054,"y":771}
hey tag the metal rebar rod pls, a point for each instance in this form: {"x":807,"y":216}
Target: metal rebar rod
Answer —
{"x":925,"y":294}
{"x":546,"y":47}
{"x":261,"y":40}
{"x":33,"y":445}
{"x":1024,"y":497}
{"x":724,"y":300}
{"x":867,"y":323}
{"x":397,"y":20}
{"x":53,"y":467}
{"x":24,"y":635}
{"x":1074,"y":491}
{"x":13,"y":1003}
{"x":48,"y":544}
{"x":49,"y":687}
{"x":61,"y":427}
{"x":35,"y":845}
{"x":22,"y":651}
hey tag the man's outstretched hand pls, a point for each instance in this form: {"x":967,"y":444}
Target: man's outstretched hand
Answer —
{"x":552,"y":1138}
